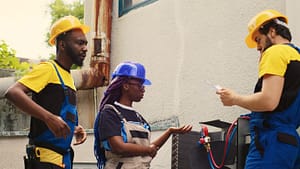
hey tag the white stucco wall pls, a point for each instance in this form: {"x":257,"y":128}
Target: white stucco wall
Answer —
{"x":292,"y":8}
{"x":183,"y":44}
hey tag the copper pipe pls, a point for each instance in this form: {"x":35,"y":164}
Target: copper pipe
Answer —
{"x":100,"y":60}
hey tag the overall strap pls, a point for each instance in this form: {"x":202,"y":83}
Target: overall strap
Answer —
{"x":295,"y":47}
{"x":66,"y":92}
{"x":105,"y":143}
{"x":61,"y":80}
{"x":117,"y":111}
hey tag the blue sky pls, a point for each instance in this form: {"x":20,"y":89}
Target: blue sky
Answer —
{"x":24,"y":25}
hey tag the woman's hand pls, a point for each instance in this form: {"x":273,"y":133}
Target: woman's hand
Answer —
{"x":153,"y":150}
{"x":181,"y":130}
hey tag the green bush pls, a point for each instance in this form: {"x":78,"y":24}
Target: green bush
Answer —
{"x":8,"y":60}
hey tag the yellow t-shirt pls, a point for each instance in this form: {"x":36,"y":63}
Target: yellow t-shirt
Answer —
{"x":45,"y":73}
{"x":281,"y":60}
{"x":48,"y":92}
{"x":276,"y":59}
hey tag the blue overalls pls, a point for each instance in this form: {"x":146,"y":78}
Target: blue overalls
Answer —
{"x":69,"y":114}
{"x":274,"y":139}
{"x":275,"y":143}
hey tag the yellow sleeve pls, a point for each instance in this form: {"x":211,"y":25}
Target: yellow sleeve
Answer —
{"x":274,"y":61}
{"x":39,"y":77}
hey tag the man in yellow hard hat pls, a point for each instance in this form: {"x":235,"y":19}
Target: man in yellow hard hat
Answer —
{"x":275,"y":104}
{"x":54,"y":117}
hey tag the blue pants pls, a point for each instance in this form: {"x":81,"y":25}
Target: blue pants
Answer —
{"x":40,"y":165}
{"x":276,"y":153}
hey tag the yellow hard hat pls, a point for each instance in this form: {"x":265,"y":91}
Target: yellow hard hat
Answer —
{"x":258,"y":20}
{"x":65,"y":24}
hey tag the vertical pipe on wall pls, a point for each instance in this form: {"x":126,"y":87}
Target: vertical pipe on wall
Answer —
{"x":100,"y":59}
{"x":101,"y":55}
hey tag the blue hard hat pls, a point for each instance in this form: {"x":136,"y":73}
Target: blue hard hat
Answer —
{"x":131,"y":69}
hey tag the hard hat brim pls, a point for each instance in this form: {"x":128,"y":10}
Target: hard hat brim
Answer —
{"x":249,"y":41}
{"x":84,"y":29}
{"x":147,"y":82}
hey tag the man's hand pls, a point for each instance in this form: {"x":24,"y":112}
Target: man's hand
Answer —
{"x":58,"y":126}
{"x":227,"y":96}
{"x":80,"y":135}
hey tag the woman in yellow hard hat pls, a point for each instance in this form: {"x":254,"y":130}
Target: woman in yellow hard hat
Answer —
{"x":275,"y":104}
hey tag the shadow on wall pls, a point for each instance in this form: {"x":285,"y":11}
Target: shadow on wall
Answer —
{"x":12,"y":120}
{"x":164,"y":124}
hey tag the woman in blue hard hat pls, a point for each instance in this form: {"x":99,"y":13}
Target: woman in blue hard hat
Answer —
{"x":122,"y":135}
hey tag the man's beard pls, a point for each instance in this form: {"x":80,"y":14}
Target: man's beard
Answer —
{"x":268,"y":44}
{"x":74,"y":57}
